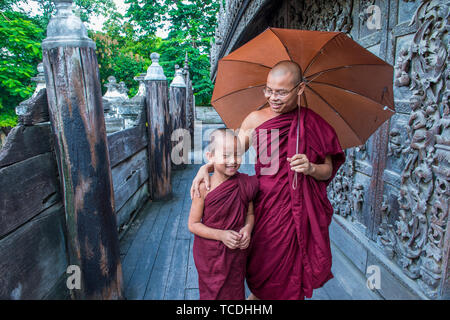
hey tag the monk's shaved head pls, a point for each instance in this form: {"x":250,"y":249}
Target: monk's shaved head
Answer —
{"x":286,"y":67}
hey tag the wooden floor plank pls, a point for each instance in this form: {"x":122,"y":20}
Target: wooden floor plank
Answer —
{"x":138,"y":283}
{"x":183,"y":231}
{"x":128,"y":235}
{"x":320,"y":294}
{"x":160,"y":271}
{"x":335,"y":290}
{"x":134,"y":253}
{"x":176,"y":281}
{"x":191,"y":294}
{"x":192,"y":275}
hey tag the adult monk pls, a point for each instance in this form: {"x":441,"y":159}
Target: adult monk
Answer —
{"x":290,"y":253}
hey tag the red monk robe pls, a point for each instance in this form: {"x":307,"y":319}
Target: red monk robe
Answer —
{"x":221,"y":271}
{"x":290,"y":254}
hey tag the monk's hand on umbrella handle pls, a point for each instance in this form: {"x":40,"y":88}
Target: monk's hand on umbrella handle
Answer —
{"x":230,"y":238}
{"x":300,"y":163}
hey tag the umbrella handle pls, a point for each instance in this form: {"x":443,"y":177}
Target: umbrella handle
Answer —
{"x":294,"y":180}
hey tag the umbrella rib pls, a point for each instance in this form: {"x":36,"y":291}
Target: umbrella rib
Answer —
{"x":285,"y":47}
{"x":337,"y":87}
{"x":319,"y":52}
{"x":226,"y":95}
{"x":346,"y":66}
{"x":321,"y":98}
{"x":258,"y":64}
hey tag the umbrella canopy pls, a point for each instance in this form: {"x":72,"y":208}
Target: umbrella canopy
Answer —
{"x":347,"y":85}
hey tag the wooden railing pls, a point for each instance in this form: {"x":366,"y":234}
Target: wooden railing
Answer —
{"x":68,"y":189}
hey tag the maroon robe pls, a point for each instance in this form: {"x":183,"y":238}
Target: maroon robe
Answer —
{"x":221,"y":271}
{"x":290,"y":254}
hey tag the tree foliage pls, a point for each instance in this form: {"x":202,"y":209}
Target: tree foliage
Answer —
{"x":20,"y":43}
{"x":85,"y":9}
{"x":191,"y":26}
{"x":123,"y":46}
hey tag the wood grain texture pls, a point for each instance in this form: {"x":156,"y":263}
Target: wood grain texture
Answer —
{"x":132,"y":206}
{"x":36,"y":109}
{"x":125,"y":143}
{"x":180,"y":139}
{"x":159,"y":146}
{"x":34,"y":179}
{"x":129,"y":176}
{"x":32,"y":257}
{"x":24,"y":142}
{"x":76,"y":112}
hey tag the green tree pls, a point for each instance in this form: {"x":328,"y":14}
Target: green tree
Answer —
{"x":121,"y":54}
{"x":20,"y":40}
{"x":85,"y":9}
{"x":191,"y":27}
{"x":147,"y":15}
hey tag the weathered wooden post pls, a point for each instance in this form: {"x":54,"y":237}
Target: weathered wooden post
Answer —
{"x":78,"y":125}
{"x":158,"y":119}
{"x":190,"y":99}
{"x":177,"y":107}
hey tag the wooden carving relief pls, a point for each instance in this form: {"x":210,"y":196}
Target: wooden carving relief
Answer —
{"x":340,"y":189}
{"x":325,"y":15}
{"x":416,"y":240}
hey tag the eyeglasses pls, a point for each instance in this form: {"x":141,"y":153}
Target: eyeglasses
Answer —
{"x":281,"y":93}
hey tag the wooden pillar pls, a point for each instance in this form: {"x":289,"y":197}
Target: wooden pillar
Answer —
{"x":158,"y":119}
{"x":76,"y":115}
{"x":190,"y":102}
{"x":180,"y":135}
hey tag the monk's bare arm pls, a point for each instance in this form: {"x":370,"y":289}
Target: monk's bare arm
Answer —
{"x":301,"y":164}
{"x":245,"y":131}
{"x":195,"y":225}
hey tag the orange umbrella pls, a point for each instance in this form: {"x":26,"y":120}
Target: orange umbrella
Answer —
{"x":348,"y":86}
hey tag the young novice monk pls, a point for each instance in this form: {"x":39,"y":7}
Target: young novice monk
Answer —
{"x":222,"y":221}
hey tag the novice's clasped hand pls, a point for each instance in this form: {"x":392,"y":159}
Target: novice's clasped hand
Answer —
{"x":235,"y":240}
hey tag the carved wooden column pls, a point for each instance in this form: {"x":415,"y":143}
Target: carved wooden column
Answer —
{"x":180,"y":136}
{"x":76,"y":114}
{"x":158,"y":119}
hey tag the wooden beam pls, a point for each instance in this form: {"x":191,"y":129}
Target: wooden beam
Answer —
{"x":35,"y":180}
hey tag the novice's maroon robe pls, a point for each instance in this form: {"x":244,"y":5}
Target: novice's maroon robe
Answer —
{"x":221,"y":271}
{"x":290,"y":254}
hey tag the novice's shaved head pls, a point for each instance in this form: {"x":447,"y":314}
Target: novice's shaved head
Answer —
{"x":285,"y":67}
{"x":221,"y":135}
